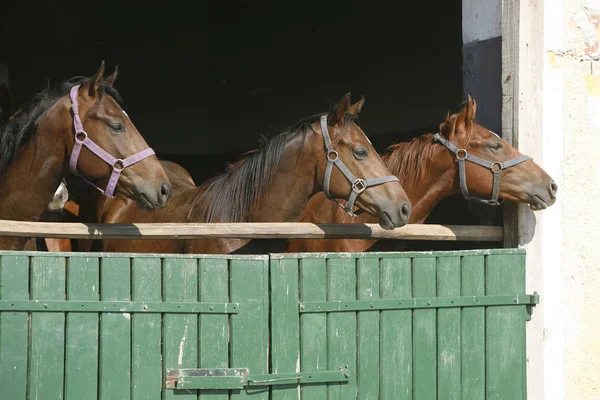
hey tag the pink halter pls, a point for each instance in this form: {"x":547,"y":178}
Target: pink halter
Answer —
{"x":82,"y":139}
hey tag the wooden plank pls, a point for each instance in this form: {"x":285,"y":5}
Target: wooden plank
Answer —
{"x":115,"y":330}
{"x":424,"y":332}
{"x":313,"y":349}
{"x":146,"y":329}
{"x":47,"y":336}
{"x":248,"y":230}
{"x":341,"y":327}
{"x":449,"y":352}
{"x":250,"y":327}
{"x":214,"y":329}
{"x":505,"y":330}
{"x":14,"y":327}
{"x":180,"y":340}
{"x":396,"y":331}
{"x":473,"y":330}
{"x":285,"y":325}
{"x":368,"y":331}
{"x":81,"y":363}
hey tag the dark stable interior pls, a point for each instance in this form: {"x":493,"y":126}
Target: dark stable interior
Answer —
{"x":201,"y":81}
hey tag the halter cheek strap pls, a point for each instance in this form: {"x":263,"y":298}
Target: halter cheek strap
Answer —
{"x":358,"y":185}
{"x":495,"y":167}
{"x":82,"y":139}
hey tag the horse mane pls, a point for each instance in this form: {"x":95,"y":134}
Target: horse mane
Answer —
{"x":410,"y":161}
{"x":22,"y":128}
{"x":234,"y":194}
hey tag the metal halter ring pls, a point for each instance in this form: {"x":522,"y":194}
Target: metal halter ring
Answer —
{"x":461,"y":151}
{"x":359,"y":185}
{"x":334,"y":153}
{"x":82,"y":134}
{"x":496,"y":167}
{"x":119,"y":164}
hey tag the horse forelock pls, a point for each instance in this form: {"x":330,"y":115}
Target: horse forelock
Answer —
{"x":21,"y":127}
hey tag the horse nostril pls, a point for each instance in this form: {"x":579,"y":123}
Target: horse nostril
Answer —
{"x":165,"y":189}
{"x":553,"y":188}
{"x":405,"y":210}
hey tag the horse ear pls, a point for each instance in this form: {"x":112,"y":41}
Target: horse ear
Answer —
{"x":356,"y":107}
{"x":113,"y":77}
{"x":471,"y":109}
{"x":341,"y":109}
{"x":96,"y":80}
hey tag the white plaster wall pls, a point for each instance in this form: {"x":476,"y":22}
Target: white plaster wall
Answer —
{"x":482,"y":19}
{"x":572,"y":104}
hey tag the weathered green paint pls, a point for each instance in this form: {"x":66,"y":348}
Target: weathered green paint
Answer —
{"x":405,"y":303}
{"x":180,"y":335}
{"x":146,"y":372}
{"x":214,"y":329}
{"x":313,"y":327}
{"x":81,"y":358}
{"x":139,"y":307}
{"x":14,"y":327}
{"x":47,"y":334}
{"x":115,"y":330}
{"x":442,"y":325}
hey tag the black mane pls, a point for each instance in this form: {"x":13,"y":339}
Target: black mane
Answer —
{"x":16,"y":133}
{"x":231,"y":196}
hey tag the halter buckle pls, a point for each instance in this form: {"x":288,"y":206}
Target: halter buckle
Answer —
{"x":359,"y":186}
{"x":460,"y":152}
{"x":335,"y":156}
{"x":496,"y":167}
{"x":81,"y":136}
{"x":119,"y":165}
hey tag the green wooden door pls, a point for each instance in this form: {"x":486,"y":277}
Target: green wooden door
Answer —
{"x":311,"y":326}
{"x":87,"y":326}
{"x":443,"y":325}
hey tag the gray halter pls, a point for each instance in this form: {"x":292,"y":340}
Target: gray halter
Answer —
{"x":495,"y":167}
{"x":358,"y":185}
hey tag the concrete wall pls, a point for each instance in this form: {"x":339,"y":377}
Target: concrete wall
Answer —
{"x":571,"y":94}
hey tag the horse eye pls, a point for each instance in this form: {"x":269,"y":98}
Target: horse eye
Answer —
{"x":116,"y":127}
{"x":496,"y":146}
{"x":361,"y":153}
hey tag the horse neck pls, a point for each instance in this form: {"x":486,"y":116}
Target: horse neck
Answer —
{"x":31,"y":179}
{"x":427,"y":173}
{"x":288,"y":191}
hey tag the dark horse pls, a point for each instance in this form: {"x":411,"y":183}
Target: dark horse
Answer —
{"x":271,"y":184}
{"x":430,"y":172}
{"x":78,"y":128}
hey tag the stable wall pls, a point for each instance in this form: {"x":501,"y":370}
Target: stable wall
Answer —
{"x":571,"y":95}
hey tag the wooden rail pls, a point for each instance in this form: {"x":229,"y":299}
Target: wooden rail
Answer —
{"x":278,"y":230}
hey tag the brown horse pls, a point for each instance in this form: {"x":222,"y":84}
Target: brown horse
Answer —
{"x":429,"y":172}
{"x":37,"y":150}
{"x":271,"y":184}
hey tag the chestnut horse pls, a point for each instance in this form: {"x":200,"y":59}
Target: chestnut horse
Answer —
{"x":273,"y":184}
{"x":430,"y":171}
{"x":80,"y":128}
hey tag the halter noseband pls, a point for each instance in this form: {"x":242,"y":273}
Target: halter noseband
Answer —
{"x":495,"y":167}
{"x":82,"y":139}
{"x":358,"y":185}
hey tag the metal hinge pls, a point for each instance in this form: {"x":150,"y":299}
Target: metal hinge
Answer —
{"x":413,"y":303}
{"x":142,"y":307}
{"x":239,"y":378}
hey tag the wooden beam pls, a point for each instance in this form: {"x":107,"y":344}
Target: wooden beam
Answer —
{"x":510,"y":103}
{"x":279,"y":230}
